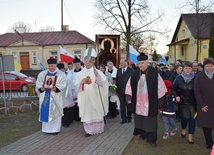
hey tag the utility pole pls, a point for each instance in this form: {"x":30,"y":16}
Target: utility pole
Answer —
{"x":62,"y":15}
{"x":62,"y":22}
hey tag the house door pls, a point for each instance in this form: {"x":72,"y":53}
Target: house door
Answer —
{"x":24,"y":57}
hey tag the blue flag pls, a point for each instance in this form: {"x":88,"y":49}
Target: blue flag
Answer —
{"x":41,"y":65}
{"x":163,"y":59}
{"x":133,"y":53}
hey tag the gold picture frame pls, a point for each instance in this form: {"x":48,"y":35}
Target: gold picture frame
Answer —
{"x":50,"y":81}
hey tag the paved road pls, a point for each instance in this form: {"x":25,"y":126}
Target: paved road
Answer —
{"x":71,"y":141}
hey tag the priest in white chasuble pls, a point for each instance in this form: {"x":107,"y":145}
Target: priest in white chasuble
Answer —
{"x":92,"y":88}
{"x":51,"y":97}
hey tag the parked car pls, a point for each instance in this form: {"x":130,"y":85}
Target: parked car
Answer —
{"x":16,"y":81}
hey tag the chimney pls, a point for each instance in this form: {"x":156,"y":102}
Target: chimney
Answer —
{"x":65,"y":28}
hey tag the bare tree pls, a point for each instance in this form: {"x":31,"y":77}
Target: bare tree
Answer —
{"x":198,"y":7}
{"x":137,"y":40}
{"x":20,"y":24}
{"x":126,"y":17}
{"x":46,"y":29}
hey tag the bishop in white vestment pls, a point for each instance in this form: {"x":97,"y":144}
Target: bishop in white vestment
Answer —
{"x":92,"y":88}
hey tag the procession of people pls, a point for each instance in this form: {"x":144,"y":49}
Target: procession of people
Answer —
{"x":92,"y":94}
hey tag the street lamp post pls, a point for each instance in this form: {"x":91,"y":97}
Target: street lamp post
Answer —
{"x":20,"y":36}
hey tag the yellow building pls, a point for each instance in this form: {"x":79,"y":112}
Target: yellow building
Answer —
{"x":184,"y":42}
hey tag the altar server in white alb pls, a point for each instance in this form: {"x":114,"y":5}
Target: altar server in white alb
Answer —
{"x":51,"y":99}
{"x":111,"y":69}
{"x":68,"y":102}
{"x":92,"y":88}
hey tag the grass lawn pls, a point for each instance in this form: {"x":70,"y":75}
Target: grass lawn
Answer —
{"x":175,"y":145}
{"x":14,"y":127}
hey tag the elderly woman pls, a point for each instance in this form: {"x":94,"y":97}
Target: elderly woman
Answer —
{"x":107,"y":74}
{"x":204,"y":88}
{"x":183,"y":91}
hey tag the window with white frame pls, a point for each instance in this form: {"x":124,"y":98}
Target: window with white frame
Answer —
{"x":78,"y":54}
{"x":54,"y":54}
{"x":14,"y":55}
{"x":34,"y":62}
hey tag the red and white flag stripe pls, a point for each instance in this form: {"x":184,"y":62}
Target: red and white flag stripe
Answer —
{"x":65,"y":56}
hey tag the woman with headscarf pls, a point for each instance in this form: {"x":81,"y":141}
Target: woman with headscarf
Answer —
{"x":183,"y":91}
{"x":204,"y":88}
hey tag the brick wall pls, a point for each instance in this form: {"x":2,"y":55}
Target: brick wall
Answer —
{"x":19,"y":105}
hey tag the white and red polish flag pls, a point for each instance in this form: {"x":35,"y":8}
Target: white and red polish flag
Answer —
{"x":65,"y":56}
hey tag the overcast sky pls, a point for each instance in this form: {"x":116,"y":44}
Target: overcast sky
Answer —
{"x":79,"y":16}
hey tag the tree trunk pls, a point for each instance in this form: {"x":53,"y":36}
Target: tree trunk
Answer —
{"x":128,"y":30}
{"x":197,"y":50}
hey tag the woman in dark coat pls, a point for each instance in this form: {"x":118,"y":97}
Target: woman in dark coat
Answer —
{"x":204,"y":93}
{"x":183,"y":91}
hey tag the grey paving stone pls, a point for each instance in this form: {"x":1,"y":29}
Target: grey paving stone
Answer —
{"x":71,"y":141}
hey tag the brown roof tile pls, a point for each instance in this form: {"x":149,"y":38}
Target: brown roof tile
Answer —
{"x":45,"y":38}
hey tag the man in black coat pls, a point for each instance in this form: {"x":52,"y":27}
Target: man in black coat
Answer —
{"x":164,"y":72}
{"x":123,"y":75}
{"x":77,"y":68}
{"x":195,"y":68}
{"x":144,"y":91}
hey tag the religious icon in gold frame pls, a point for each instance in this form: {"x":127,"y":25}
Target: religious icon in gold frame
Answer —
{"x":50,"y":81}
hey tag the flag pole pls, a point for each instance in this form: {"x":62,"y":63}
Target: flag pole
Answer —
{"x":105,"y":121}
{"x":91,"y":54}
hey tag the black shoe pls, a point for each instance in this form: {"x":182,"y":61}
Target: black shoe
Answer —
{"x":54,"y":133}
{"x":77,"y":119}
{"x":117,"y":112}
{"x":123,"y":121}
{"x":183,"y":136}
{"x":88,"y":135}
{"x":129,"y":120}
{"x":191,"y":142}
{"x":178,"y":120}
{"x":66,"y":126}
{"x":135,"y":132}
{"x":152,"y":144}
{"x":142,"y":137}
{"x":208,"y":147}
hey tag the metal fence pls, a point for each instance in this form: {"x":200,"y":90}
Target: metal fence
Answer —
{"x":14,"y":94}
{"x":18,"y":93}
